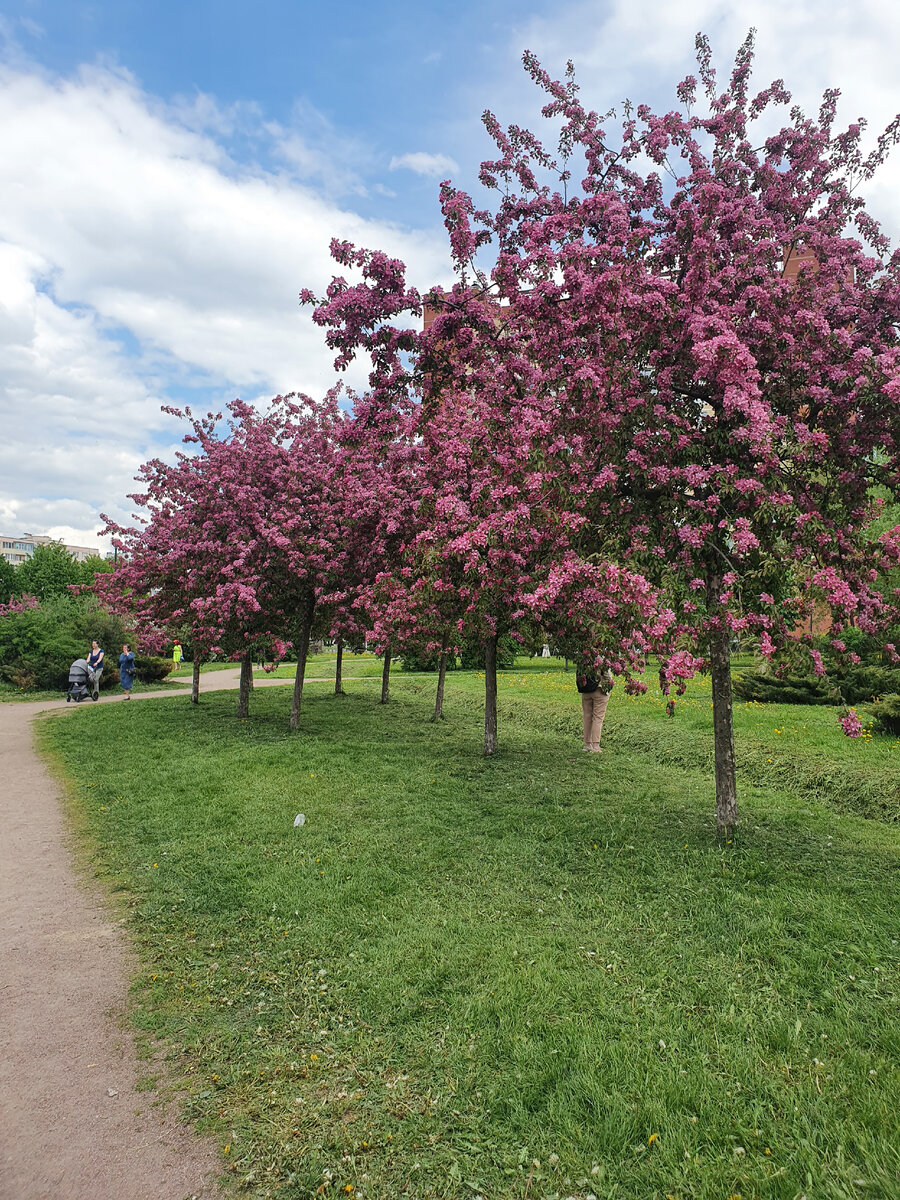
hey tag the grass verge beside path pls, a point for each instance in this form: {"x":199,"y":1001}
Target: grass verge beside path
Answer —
{"x":10,"y":694}
{"x":322,"y":665}
{"x":533,"y":976}
{"x":186,"y":670}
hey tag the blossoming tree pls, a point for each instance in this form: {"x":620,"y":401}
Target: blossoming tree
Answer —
{"x":495,"y":544}
{"x":702,"y":336}
{"x":242,"y":537}
{"x":738,"y":411}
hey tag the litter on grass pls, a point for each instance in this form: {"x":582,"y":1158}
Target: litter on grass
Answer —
{"x":300,"y":819}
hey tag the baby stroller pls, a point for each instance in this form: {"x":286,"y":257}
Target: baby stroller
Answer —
{"x":82,"y":682}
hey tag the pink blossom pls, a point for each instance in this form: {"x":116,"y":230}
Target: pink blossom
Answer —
{"x":851,"y":724}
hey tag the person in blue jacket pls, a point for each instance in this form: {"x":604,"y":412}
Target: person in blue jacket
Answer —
{"x":126,"y":670}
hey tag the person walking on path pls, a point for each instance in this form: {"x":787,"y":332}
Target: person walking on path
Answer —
{"x":95,"y":662}
{"x":126,"y":670}
{"x":177,"y":655}
{"x":594,"y":699}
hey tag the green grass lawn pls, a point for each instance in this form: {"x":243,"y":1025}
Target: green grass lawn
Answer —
{"x":186,"y":670}
{"x":316,"y":664}
{"x":362,"y":666}
{"x":534,"y":976}
{"x":9,"y":693}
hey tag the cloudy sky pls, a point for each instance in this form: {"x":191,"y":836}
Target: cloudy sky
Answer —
{"x":171,"y":172}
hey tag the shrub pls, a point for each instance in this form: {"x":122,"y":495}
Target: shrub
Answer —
{"x":471,"y":654}
{"x":858,"y":684}
{"x":150,"y":669}
{"x":417,"y":658}
{"x":842,"y":685}
{"x":886,"y":712}
{"x":39,"y":643}
{"x":788,"y":689}
{"x":20,"y":678}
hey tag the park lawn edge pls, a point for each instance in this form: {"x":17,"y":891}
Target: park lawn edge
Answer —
{"x":196,"y":1107}
{"x":109,"y":892}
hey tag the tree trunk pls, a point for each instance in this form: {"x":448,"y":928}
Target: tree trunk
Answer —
{"x":246,"y":684}
{"x":442,"y":674}
{"x":490,"y":696}
{"x":338,"y":687}
{"x":195,"y":679}
{"x":723,"y":717}
{"x":302,"y":652}
{"x":386,"y":675}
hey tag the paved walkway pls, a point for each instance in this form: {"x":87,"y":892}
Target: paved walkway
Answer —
{"x":72,"y":1124}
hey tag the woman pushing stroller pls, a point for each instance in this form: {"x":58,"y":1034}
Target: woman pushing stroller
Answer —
{"x":95,"y":662}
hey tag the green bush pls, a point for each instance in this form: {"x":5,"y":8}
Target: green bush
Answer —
{"x":417,"y":658}
{"x":788,"y":689}
{"x":38,"y":645}
{"x":869,"y":647}
{"x":149,"y":669}
{"x":859,"y":684}
{"x":886,"y":712}
{"x":847,"y":685}
{"x":471,"y":654}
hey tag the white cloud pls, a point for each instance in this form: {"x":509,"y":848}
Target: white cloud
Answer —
{"x":140,"y":259}
{"x":432,"y":166}
{"x":136,"y":259}
{"x":641,"y":49}
{"x":317,"y":153}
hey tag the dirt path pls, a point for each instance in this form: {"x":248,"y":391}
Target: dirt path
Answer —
{"x":72,"y":1124}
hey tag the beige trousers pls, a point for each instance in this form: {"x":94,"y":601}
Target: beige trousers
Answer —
{"x":593,"y":709}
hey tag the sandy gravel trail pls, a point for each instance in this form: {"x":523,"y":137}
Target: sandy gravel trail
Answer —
{"x":72,"y":1124}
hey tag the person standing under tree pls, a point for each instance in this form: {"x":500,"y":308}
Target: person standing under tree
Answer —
{"x":126,"y":670}
{"x":177,"y":655}
{"x":594,"y":699}
{"x":95,"y":662}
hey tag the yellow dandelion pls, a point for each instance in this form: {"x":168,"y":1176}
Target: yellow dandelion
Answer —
{"x":654,"y":1137}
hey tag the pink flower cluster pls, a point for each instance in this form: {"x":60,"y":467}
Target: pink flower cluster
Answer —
{"x":851,"y":724}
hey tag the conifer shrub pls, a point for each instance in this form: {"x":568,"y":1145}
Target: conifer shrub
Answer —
{"x":787,"y":689}
{"x":886,"y":712}
{"x":150,"y":669}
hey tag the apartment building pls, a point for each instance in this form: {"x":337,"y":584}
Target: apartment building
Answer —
{"x":17,"y":549}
